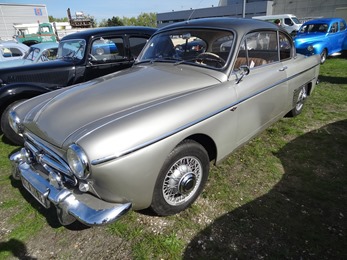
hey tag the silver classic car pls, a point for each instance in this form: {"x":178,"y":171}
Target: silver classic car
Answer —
{"x":145,"y":137}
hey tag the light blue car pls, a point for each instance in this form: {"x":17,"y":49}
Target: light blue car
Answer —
{"x":37,"y":53}
{"x":11,"y":50}
{"x":326,"y":36}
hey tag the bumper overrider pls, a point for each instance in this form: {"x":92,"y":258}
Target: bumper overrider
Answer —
{"x":71,"y":205}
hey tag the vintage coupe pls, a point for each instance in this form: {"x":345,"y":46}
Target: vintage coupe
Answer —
{"x":11,"y":50}
{"x":325,"y":36}
{"x":144,"y":137}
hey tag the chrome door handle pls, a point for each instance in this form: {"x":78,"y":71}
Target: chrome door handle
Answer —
{"x":283,"y":68}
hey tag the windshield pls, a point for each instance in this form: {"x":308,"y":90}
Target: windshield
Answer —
{"x":314,"y":28}
{"x":71,"y":49}
{"x":296,"y":20}
{"x":32,"y":54}
{"x":208,"y":48}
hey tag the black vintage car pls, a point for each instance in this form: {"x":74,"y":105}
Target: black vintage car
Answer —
{"x":82,"y":56}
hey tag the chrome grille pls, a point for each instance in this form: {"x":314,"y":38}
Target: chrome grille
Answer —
{"x":43,"y":155}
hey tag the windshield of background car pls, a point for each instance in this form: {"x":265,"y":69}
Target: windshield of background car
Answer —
{"x":314,"y":28}
{"x":71,"y":49}
{"x":296,"y":20}
{"x":32,"y":54}
{"x":207,"y":48}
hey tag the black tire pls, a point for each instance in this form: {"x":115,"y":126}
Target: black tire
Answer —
{"x":6,"y":128}
{"x":323,"y":56}
{"x":300,"y":96}
{"x":181,"y":179}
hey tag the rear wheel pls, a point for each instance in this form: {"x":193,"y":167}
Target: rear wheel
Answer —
{"x":300,"y":96}
{"x":323,"y":56}
{"x":181,"y":179}
{"x":7,"y":130}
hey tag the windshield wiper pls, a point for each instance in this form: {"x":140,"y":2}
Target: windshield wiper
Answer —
{"x":151,"y":61}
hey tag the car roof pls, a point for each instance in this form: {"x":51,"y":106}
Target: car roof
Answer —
{"x":46,"y":45}
{"x":14,"y":44}
{"x":241,"y":25}
{"x":324,"y":20}
{"x":86,"y":34}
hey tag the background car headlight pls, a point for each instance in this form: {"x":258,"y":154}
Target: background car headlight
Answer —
{"x":310,"y":48}
{"x":78,"y":161}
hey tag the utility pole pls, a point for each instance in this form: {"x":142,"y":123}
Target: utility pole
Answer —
{"x":244,"y":9}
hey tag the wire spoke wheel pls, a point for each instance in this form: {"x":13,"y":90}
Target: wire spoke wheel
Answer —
{"x":182,"y":180}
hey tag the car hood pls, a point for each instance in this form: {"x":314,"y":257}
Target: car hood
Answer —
{"x":80,"y":110}
{"x":309,"y":37}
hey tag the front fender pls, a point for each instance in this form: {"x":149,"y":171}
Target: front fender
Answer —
{"x":319,"y":47}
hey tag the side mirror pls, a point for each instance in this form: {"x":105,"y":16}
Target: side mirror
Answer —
{"x":243,"y":71}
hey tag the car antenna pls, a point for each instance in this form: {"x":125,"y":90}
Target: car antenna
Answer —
{"x":190,"y":16}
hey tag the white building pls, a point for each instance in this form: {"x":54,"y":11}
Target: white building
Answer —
{"x":11,"y":14}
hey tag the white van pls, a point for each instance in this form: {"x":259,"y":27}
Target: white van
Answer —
{"x":288,"y":21}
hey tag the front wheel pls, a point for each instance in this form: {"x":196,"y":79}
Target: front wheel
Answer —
{"x":7,"y":130}
{"x":181,"y":179}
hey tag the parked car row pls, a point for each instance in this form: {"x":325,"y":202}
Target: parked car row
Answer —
{"x":81,"y":57}
{"x":145,"y":136}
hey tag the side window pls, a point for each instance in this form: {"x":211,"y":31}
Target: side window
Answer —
{"x":11,"y":52}
{"x":285,"y":47}
{"x":334,"y":28}
{"x":258,"y":48}
{"x":288,"y":21}
{"x":105,"y":50}
{"x":136,"y":45}
{"x":342,"y":26}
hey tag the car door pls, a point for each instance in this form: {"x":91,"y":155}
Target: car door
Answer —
{"x":334,"y":38}
{"x":263,"y":92}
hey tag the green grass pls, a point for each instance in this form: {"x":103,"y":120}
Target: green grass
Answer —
{"x":282,"y":196}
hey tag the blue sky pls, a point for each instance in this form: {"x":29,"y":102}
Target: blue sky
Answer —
{"x":103,"y":9}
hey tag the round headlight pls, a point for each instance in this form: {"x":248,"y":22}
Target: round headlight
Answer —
{"x":14,"y":122}
{"x":310,"y":48}
{"x":78,"y":161}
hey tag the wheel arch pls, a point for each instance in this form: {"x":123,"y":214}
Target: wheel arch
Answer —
{"x":26,"y":93}
{"x":207,"y":142}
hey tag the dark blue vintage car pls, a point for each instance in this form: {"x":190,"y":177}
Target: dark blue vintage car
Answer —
{"x":326,"y":36}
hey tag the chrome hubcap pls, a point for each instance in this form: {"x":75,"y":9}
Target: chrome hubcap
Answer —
{"x":301,"y":98}
{"x":182,"y":180}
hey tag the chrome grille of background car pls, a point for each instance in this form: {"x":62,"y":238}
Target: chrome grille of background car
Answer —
{"x":48,"y":159}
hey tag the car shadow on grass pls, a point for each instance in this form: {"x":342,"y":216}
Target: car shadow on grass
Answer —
{"x":333,"y":80}
{"x":304,"y":216}
{"x":16,"y":248}
{"x":50,"y":214}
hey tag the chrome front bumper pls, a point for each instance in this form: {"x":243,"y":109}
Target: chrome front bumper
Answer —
{"x":70,"y":205}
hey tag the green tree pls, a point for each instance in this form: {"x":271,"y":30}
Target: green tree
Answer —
{"x":114,"y":21}
{"x":53,"y":19}
{"x":144,"y":19}
{"x":147,"y":19}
